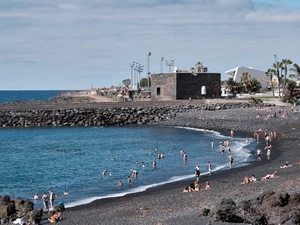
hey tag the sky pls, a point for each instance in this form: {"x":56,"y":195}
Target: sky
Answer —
{"x":80,"y":44}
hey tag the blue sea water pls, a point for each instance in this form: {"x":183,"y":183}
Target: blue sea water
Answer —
{"x":26,"y":95}
{"x":73,"y":159}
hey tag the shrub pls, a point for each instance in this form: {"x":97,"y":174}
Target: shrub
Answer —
{"x":255,"y":100}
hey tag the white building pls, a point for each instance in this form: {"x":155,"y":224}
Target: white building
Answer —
{"x":261,"y":76}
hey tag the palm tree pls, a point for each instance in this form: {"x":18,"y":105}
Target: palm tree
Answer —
{"x":231,"y":84}
{"x":296,"y":70}
{"x":193,"y":70}
{"x":254,"y":85}
{"x":285,"y":63}
{"x":199,"y":66}
{"x":277,"y":66}
{"x":291,"y":85}
{"x":245,"y":80}
{"x":270,"y":73}
{"x":126,"y":82}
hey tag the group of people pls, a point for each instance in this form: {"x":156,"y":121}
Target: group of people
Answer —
{"x":46,"y":199}
{"x":268,"y":147}
{"x":195,"y":186}
{"x":248,"y":180}
{"x":134,"y":172}
{"x":56,"y":214}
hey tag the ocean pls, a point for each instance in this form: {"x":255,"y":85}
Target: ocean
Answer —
{"x":27,"y":95}
{"x":72,"y":159}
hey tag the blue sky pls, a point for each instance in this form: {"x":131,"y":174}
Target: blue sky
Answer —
{"x":74,"y":45}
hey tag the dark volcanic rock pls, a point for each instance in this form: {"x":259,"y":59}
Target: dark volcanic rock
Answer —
{"x":269,"y":208}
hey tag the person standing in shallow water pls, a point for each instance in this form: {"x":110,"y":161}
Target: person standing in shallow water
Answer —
{"x":258,"y":155}
{"x":209,"y":168}
{"x":129,"y":180}
{"x":230,"y":161}
{"x":197,"y":170}
{"x":45,"y":201}
{"x":52,"y":197}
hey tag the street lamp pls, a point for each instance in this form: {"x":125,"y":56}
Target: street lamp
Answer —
{"x":149,"y":54}
{"x":161,"y":64}
{"x":131,"y":81}
{"x":140,"y":69}
{"x":136,"y":74}
{"x":170,"y":63}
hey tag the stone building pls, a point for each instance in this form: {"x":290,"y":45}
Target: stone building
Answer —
{"x":185,"y":85}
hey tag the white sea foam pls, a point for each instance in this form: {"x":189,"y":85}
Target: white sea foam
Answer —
{"x":201,"y":130}
{"x":140,"y":189}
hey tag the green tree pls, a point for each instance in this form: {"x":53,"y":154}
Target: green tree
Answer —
{"x":291,"y":85}
{"x":231,"y":85}
{"x":144,"y":82}
{"x":296,"y":71}
{"x":199,"y":66}
{"x":126,"y":82}
{"x":285,"y":64}
{"x":254,"y":85}
{"x":277,"y":66}
{"x":245,"y":80}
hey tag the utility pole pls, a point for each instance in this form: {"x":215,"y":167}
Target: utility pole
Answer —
{"x":149,"y":54}
{"x":131,"y":81}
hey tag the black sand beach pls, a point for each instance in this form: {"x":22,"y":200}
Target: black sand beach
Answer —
{"x":167,"y":204}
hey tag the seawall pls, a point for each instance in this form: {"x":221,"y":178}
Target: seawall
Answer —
{"x":105,"y":116}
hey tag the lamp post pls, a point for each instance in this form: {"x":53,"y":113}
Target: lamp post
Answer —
{"x":161,"y":64}
{"x":149,"y":54}
{"x":135,"y":75}
{"x":170,"y":63}
{"x":131,"y":81}
{"x":140,"y":69}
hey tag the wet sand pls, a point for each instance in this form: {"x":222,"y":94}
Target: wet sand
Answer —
{"x":167,"y":204}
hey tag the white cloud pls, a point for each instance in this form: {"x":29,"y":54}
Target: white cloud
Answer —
{"x":94,"y":42}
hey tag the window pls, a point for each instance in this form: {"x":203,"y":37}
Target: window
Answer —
{"x":158,"y":91}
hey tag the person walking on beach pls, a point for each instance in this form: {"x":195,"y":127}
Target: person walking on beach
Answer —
{"x":209,"y":168}
{"x":268,"y":153}
{"x":258,"y":154}
{"x":230,"y":161}
{"x":51,"y":197}
{"x":45,"y":201}
{"x":197,"y":170}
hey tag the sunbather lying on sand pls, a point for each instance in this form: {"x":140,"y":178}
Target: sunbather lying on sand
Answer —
{"x":268,"y":176}
{"x":246,"y":180}
{"x":285,"y":165}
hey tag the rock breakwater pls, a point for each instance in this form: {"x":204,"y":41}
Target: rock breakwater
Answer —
{"x":105,"y":116}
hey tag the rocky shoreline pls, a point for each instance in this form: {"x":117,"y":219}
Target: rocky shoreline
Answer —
{"x":275,"y":201}
{"x":99,"y":116}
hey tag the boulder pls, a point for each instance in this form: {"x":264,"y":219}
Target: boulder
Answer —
{"x":226,"y":211}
